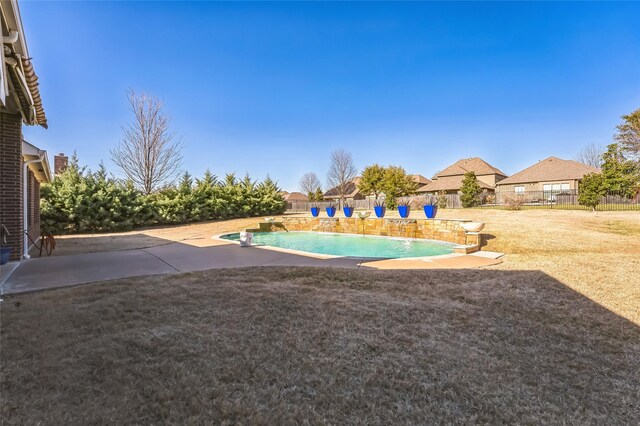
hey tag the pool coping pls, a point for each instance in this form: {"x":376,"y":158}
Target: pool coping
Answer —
{"x":218,"y":237}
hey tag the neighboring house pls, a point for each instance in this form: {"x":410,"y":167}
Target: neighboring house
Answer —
{"x":294,"y":196}
{"x":22,"y":166}
{"x":353,"y":193}
{"x":450,"y":179}
{"x":421,"y":180}
{"x":551,"y":175}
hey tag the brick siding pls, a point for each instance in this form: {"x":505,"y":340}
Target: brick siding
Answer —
{"x":11,"y":191}
{"x":60,"y":163}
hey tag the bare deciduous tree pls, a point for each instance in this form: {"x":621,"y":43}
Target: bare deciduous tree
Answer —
{"x":591,"y":155}
{"x":341,"y":172}
{"x":309,"y":183}
{"x":148,"y":153}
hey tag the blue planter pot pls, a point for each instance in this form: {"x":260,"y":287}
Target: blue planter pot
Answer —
{"x":315,"y":211}
{"x":404,"y":211}
{"x":380,"y":211}
{"x":430,"y":211}
{"x":348,"y":211}
{"x":331,"y":211}
{"x":5,"y":254}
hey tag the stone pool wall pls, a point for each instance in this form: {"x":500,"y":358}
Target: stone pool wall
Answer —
{"x":434,"y":229}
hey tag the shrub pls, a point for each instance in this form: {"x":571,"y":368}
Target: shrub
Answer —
{"x":397,"y":183}
{"x":514,"y":202}
{"x":592,"y":189}
{"x":442,"y":200}
{"x":489,"y":199}
{"x":80,"y":201}
{"x":470,"y":190}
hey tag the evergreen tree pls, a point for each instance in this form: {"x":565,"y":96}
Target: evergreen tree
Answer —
{"x":372,"y":180}
{"x":81,"y":201}
{"x":470,"y":190}
{"x":208,"y":180}
{"x":621,"y":176}
{"x":206,"y":199}
{"x":317,"y":195}
{"x":270,"y":198}
{"x":397,"y":183}
{"x":185,"y":186}
{"x":628,"y":135}
{"x":592,"y":189}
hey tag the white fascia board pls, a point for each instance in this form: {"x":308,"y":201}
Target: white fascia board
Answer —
{"x":11,"y":12}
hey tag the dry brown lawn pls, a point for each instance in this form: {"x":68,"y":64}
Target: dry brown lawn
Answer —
{"x":550,"y":336}
{"x":595,"y":254}
{"x":287,"y":345}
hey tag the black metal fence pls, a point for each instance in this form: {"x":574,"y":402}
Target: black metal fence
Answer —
{"x":561,"y":200}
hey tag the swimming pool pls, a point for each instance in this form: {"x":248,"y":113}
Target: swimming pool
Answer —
{"x":349,"y":244}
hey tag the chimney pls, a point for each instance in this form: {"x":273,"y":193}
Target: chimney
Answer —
{"x":60,"y":163}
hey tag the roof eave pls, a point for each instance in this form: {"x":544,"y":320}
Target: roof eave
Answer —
{"x":29,"y":153}
{"x":23,"y":70}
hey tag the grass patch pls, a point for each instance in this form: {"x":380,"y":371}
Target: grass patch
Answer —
{"x":620,"y":227}
{"x":293,"y":345}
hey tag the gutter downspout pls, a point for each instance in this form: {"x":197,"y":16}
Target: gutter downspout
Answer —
{"x":25,"y":198}
{"x":12,"y":38}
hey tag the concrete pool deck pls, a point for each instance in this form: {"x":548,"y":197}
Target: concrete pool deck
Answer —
{"x":196,"y":255}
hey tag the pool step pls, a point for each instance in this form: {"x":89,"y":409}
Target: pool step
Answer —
{"x":472,"y":248}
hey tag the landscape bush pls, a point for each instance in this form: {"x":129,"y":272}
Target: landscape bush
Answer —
{"x":442,"y":200}
{"x":514,"y":201}
{"x":81,"y":201}
{"x":592,"y":190}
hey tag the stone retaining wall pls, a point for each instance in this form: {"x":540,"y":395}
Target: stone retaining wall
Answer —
{"x":434,"y":229}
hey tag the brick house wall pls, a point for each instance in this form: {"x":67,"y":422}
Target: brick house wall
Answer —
{"x":11,"y":190}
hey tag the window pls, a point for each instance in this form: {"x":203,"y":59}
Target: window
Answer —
{"x":552,"y":189}
{"x":519,"y":189}
{"x":555,"y":187}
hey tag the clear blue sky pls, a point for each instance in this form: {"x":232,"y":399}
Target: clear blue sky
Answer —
{"x":273,"y":88}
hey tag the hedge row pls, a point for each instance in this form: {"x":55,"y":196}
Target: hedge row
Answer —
{"x":79,"y":201}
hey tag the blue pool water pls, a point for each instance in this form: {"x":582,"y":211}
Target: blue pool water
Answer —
{"x":349,"y":245}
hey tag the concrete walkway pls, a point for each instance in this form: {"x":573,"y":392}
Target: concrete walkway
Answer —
{"x":194,"y":255}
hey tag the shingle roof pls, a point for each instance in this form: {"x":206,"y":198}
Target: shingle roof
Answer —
{"x":420,"y":180}
{"x":351,"y":190}
{"x":549,"y":169}
{"x":474,"y":164}
{"x":295,"y":196}
{"x":32,"y":81}
{"x":449,"y":183}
